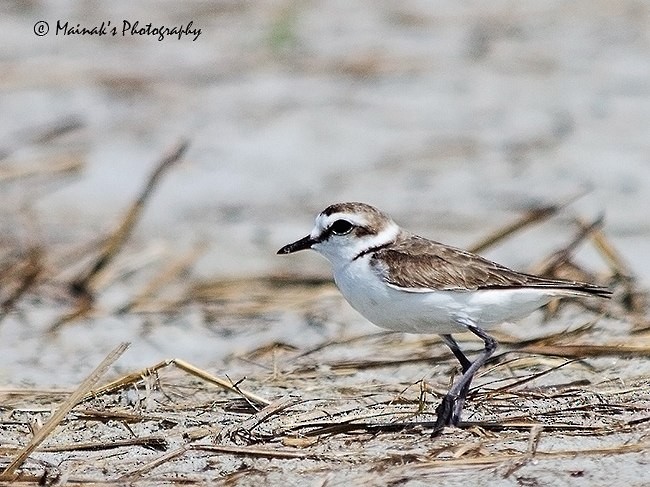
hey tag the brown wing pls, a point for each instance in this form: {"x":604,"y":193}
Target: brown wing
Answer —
{"x":415,"y":262}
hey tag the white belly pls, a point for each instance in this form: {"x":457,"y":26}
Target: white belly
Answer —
{"x":439,"y":312}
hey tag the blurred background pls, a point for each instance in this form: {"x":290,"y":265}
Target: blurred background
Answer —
{"x":454,"y":117}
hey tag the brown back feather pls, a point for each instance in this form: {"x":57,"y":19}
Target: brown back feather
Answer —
{"x":422,"y":263}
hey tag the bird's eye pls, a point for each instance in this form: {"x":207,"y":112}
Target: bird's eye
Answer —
{"x":341,"y":227}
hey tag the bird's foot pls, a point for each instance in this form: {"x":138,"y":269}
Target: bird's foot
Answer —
{"x":448,"y":414}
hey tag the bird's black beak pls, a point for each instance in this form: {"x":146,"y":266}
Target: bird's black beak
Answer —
{"x":302,"y":244}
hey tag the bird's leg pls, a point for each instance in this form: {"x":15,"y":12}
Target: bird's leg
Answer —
{"x":450,"y":408}
{"x":458,"y":353}
{"x":465,"y":364}
{"x":490,"y":347}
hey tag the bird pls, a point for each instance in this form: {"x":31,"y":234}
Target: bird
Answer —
{"x":403,"y":282}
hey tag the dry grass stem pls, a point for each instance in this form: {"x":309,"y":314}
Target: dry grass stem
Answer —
{"x":25,"y":275}
{"x":530,"y":217}
{"x":123,"y":231}
{"x":62,"y":411}
{"x":169,"y":274}
{"x":551,"y":264}
{"x":131,"y":378}
{"x":42,"y":135}
{"x":48,"y":168}
{"x":82,"y":286}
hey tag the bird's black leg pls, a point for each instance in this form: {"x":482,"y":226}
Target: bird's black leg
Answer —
{"x":455,"y":349}
{"x":465,"y":364}
{"x":451,"y":407}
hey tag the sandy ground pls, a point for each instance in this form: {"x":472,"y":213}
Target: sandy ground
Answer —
{"x":454,"y":118}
